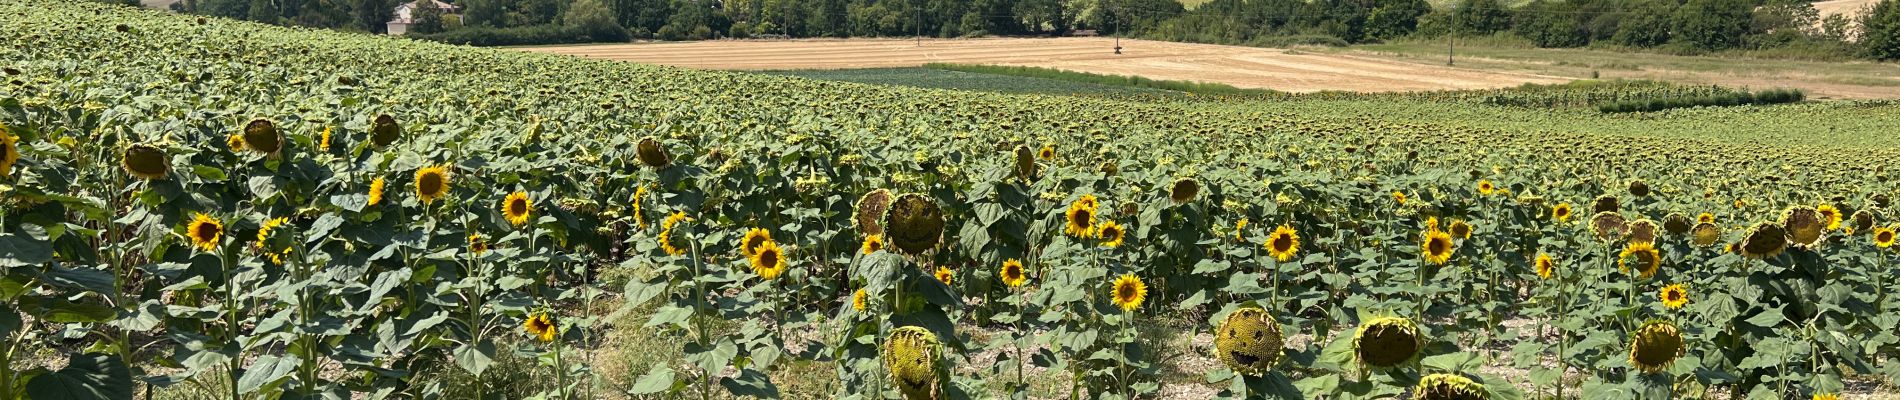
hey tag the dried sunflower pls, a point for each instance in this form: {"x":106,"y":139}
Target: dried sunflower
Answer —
{"x":1249,"y":341}
{"x":1387,"y":342}
{"x":1655,"y":346}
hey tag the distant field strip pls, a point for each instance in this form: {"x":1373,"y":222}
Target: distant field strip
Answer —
{"x":1243,"y":67}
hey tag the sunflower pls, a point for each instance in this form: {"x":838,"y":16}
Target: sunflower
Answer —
{"x":235,"y":142}
{"x":1111,"y":234}
{"x":1080,"y":220}
{"x":1089,"y":200}
{"x":1739,"y":204}
{"x":517,"y":207}
{"x":1830,"y":216}
{"x":1706,"y":234}
{"x":753,"y":238}
{"x":540,"y":326}
{"x":873,"y":244}
{"x":1705,"y":218}
{"x":1449,"y":387}
{"x":1183,"y":190}
{"x":263,"y":232}
{"x":1608,"y":226}
{"x":477,"y":245}
{"x":858,"y":301}
{"x":385,"y":131}
{"x":914,"y":223}
{"x":650,"y":152}
{"x":432,"y":182}
{"x":1883,"y":237}
{"x":1655,"y":346}
{"x":1561,"y":212}
{"x":944,"y":275}
{"x":277,"y":258}
{"x":1641,"y":257}
{"x":323,"y":140}
{"x":261,"y":136}
{"x":146,"y":162}
{"x":868,"y":215}
{"x":1826,"y":396}
{"x":1249,"y":341}
{"x":1674,"y":296}
{"x":1804,"y":225}
{"x":1643,"y":230}
{"x":1459,"y":229}
{"x":666,"y":234}
{"x":1605,"y":203}
{"x":640,"y":218}
{"x":1437,"y":247}
{"x":1863,"y":221}
{"x":1677,"y":224}
{"x":1638,"y":188}
{"x":911,"y":354}
{"x":1025,"y":162}
{"x":1386,"y":342}
{"x":1546,"y":268}
{"x":376,"y":191}
{"x":1283,"y":243}
{"x":1764,"y":240}
{"x":9,"y":152}
{"x":1129,"y":292}
{"x":1240,"y":230}
{"x":1431,"y":223}
{"x":1012,"y":273}
{"x":204,"y":231}
{"x":768,"y":260}
{"x":1398,"y":197}
{"x":1486,"y":188}
{"x":1048,"y":153}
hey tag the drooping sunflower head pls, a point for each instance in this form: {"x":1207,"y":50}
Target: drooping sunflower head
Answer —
{"x":1485,"y":187}
{"x":912,"y":354}
{"x":432,"y":182}
{"x":146,"y":162}
{"x":1111,"y":234}
{"x":1079,"y":220}
{"x":9,"y":152}
{"x":323,"y":139}
{"x":376,"y":190}
{"x":1705,"y":218}
{"x":651,"y":153}
{"x":749,"y":244}
{"x":1284,"y":243}
{"x":1546,"y":267}
{"x":384,"y":131}
{"x":1608,"y":226}
{"x":1561,"y":212}
{"x":1803,"y":224}
{"x":1706,"y":234}
{"x":1643,"y":230}
{"x":914,"y":224}
{"x":1249,"y":341}
{"x":768,"y":260}
{"x":1863,"y":221}
{"x":1437,"y":247}
{"x":261,"y":136}
{"x":1881,"y":200}
{"x":1883,"y":237}
{"x":1459,"y":229}
{"x":1605,"y":203}
{"x":1638,"y":188}
{"x":868,"y":216}
{"x":1387,"y":342}
{"x":1677,"y":224}
{"x":944,"y":275}
{"x":1128,"y":292}
{"x":204,"y":231}
{"x":516,"y":208}
{"x":1830,"y":216}
{"x":1764,"y":240}
{"x":666,"y":234}
{"x":1012,"y":273}
{"x":541,"y":326}
{"x":1674,"y":296}
{"x":1641,"y":257}
{"x":1183,"y":190}
{"x":859,"y":300}
{"x":1025,"y":162}
{"x":1655,"y":346}
{"x":1449,"y":387}
{"x":264,"y":232}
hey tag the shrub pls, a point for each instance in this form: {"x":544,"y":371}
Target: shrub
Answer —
{"x":527,"y":35}
{"x":1739,"y":98}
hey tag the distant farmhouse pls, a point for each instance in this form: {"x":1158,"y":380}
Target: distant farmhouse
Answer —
{"x":405,"y":15}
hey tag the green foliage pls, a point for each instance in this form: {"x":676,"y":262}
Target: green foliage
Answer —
{"x":1215,"y":89}
{"x":529,"y":35}
{"x":1880,"y":31}
{"x":1766,"y":97}
{"x":1714,"y":24}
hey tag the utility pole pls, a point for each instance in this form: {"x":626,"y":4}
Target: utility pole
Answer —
{"x":1451,"y":41}
{"x":918,"y":26}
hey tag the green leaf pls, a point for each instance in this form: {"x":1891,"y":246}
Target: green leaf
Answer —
{"x":86,"y":377}
{"x":208,"y":172}
{"x":475,"y":358}
{"x":266,"y":372}
{"x":659,"y":378}
{"x":19,"y":251}
{"x":1767,"y":318}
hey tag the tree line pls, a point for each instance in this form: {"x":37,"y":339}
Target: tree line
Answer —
{"x":1680,"y":26}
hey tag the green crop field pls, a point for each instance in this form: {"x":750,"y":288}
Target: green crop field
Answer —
{"x":200,"y":208}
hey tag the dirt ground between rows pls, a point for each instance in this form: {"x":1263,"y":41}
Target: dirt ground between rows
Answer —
{"x":1245,"y":67}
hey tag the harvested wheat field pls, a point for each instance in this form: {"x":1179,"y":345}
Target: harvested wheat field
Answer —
{"x":1245,"y":67}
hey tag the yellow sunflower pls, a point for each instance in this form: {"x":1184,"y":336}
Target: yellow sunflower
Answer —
{"x":858,"y":300}
{"x":1486,"y":188}
{"x":873,"y":244}
{"x":666,"y":233}
{"x":1129,"y":292}
{"x":1048,"y":153}
{"x":323,"y":140}
{"x":1830,"y":216}
{"x":1706,"y":234}
{"x":1283,"y":243}
{"x":1437,"y":247}
{"x":1398,"y":197}
{"x":753,"y":238}
{"x":541,"y":326}
{"x":376,"y":191}
{"x":768,"y":260}
{"x":517,"y":207}
{"x":263,"y":232}
{"x":1674,"y":296}
{"x":638,"y":217}
{"x":1111,"y":234}
{"x":1705,"y":218}
{"x":1460,"y":230}
{"x":1641,"y":257}
{"x":944,"y":275}
{"x":432,"y":182}
{"x":204,"y":231}
{"x":1013,"y":274}
{"x":9,"y":152}
{"x":1240,"y":230}
{"x":1090,"y":200}
{"x":1561,"y":212}
{"x":1080,"y":220}
{"x":1546,"y":267}
{"x":1883,"y":237}
{"x":235,"y":142}
{"x":477,"y":245}
{"x":1826,"y":396}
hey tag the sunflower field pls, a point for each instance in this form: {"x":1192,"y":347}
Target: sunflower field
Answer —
{"x":202,"y":208}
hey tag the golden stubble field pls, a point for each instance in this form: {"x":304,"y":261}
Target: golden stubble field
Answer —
{"x":1245,"y":67}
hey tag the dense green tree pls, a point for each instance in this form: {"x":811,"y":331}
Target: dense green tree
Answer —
{"x":428,"y":18}
{"x":1480,"y":17}
{"x":1880,"y":31}
{"x":1714,"y":24}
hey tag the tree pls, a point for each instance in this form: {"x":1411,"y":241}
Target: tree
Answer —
{"x":595,"y":18}
{"x":489,"y":13}
{"x":1880,"y":31}
{"x":1714,"y":24}
{"x":1480,"y":17}
{"x":1648,"y":26}
{"x":427,"y":16}
{"x":372,"y":15}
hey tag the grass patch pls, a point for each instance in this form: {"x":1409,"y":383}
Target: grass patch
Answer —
{"x":968,"y":81}
{"x":1198,"y":88}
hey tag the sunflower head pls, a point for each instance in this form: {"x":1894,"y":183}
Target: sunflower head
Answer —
{"x":1387,"y":342}
{"x":376,"y":190}
{"x":264,"y":232}
{"x":262,"y":136}
{"x":323,"y":139}
{"x":1643,"y":230}
{"x":516,"y":208}
{"x":768,"y":260}
{"x":541,"y":326}
{"x":1638,"y":188}
{"x":944,"y":275}
{"x":1449,"y":387}
{"x":1705,"y":218}
{"x":1641,"y":257}
{"x":1677,"y":224}
{"x":1863,"y":221}
{"x":1764,"y":240}
{"x":1437,"y":247}
{"x":1398,"y":197}
{"x":914,"y":224}
{"x":1608,"y":226}
{"x":1546,"y":267}
{"x":1089,"y":200}
{"x":1183,"y":190}
{"x":384,"y":131}
{"x":1284,"y":243}
{"x":1803,"y":224}
{"x":1883,"y":237}
{"x":1128,"y":292}
{"x":1561,"y":212}
{"x":753,"y":238}
{"x":477,"y":245}
{"x":873,"y":244}
{"x":146,"y":162}
{"x":204,"y":231}
{"x":1705,"y":234}
{"x":868,"y":216}
{"x":1881,"y":200}
{"x":1655,"y":346}
{"x":1025,"y":162}
{"x":1605,"y":203}
{"x":1048,"y":153}
{"x":859,"y":300}
{"x":9,"y":152}
{"x":666,"y":234}
{"x":1830,"y":216}
{"x":1459,"y":229}
{"x":1674,"y":296}
{"x":1111,"y":234}
{"x":912,"y":354}
{"x":1826,"y":396}
{"x":651,"y":153}
{"x":1249,"y":341}
{"x":1012,"y":273}
{"x":1109,"y":168}
{"x":1079,"y":220}
{"x":1485,"y":187}
{"x":432,"y":182}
